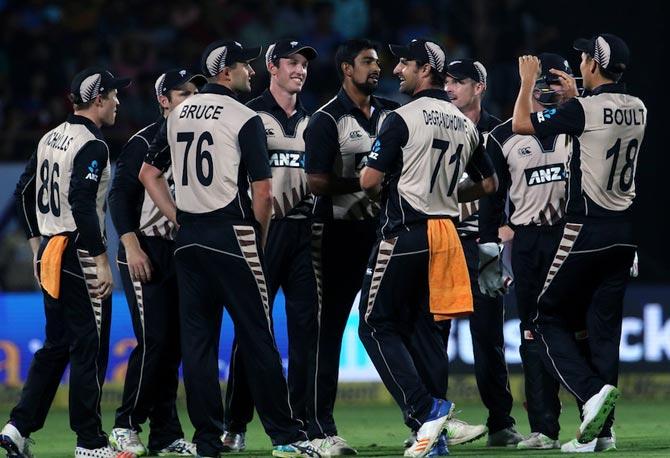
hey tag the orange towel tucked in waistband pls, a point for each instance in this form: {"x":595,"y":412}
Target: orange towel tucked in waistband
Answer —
{"x":50,"y":265}
{"x":448,"y":279}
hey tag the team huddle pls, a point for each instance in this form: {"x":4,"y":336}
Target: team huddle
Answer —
{"x":219,"y":204}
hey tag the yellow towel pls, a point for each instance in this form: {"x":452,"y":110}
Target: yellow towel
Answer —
{"x":449,"y":281}
{"x":50,"y":265}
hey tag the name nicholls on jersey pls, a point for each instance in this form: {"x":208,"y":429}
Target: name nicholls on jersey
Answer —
{"x":59,"y":140}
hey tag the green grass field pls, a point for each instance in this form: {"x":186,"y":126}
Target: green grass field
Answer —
{"x":642,"y":429}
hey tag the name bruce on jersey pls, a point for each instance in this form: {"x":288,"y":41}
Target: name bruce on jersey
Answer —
{"x":200,"y":112}
{"x":442,"y":119}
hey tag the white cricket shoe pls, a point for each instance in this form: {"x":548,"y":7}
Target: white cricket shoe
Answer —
{"x":127,"y":440}
{"x":574,"y":446}
{"x":430,"y":430}
{"x":333,"y":446}
{"x":102,"y":452}
{"x":14,"y":443}
{"x":596,"y":410}
{"x":180,"y":447}
{"x":538,"y":441}
{"x":460,"y":432}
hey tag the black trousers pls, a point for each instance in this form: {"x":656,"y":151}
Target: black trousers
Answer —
{"x":533,"y":252}
{"x":346,"y":246}
{"x":586,"y":282}
{"x":220,"y":263}
{"x":394,"y":308}
{"x":152,"y":378}
{"x":488,"y":346}
{"x":290,"y":265}
{"x":77,"y":332}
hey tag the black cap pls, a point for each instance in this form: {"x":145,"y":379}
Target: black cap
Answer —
{"x":286,"y":48}
{"x":548,"y":61}
{"x":467,"y":68}
{"x":175,"y":78}
{"x":223,"y":53}
{"x":609,"y":51}
{"x":424,"y":51}
{"x":93,"y":81}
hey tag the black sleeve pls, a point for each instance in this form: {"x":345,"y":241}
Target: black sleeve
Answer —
{"x":24,"y":195}
{"x":479,"y":166}
{"x":159,"y":150}
{"x":87,"y":169}
{"x":492,"y":207}
{"x":567,"y":119}
{"x":254,"y":149}
{"x":387,"y":149}
{"x":125,"y":195}
{"x":321,"y":143}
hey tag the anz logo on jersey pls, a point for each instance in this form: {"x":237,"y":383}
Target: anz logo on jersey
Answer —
{"x":374,"y":152}
{"x":546,"y":174}
{"x":93,"y":172}
{"x":293,"y":159}
{"x":546,"y":114}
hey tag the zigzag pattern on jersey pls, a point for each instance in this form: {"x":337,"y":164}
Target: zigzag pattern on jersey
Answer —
{"x":555,"y":214}
{"x":246,"y":238}
{"x":284,"y":205}
{"x":469,"y":218}
{"x":383,"y":258}
{"x":570,"y":234}
{"x":87,"y":264}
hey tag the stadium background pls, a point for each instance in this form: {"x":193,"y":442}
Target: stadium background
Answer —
{"x":45,"y":42}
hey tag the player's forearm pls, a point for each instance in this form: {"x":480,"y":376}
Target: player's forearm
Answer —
{"x":262,"y":207}
{"x":521,"y":123}
{"x":130,"y":241}
{"x":469,"y":190}
{"x":159,"y":191}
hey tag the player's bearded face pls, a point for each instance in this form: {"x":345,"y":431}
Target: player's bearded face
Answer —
{"x":240,"y":77}
{"x":292,"y":73}
{"x":366,"y":71}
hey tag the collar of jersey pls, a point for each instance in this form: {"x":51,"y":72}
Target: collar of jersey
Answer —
{"x":213,"y":88}
{"x":615,"y":88}
{"x":433,"y":93}
{"x":90,"y":125}
{"x":271,"y":103}
{"x":344,"y":99}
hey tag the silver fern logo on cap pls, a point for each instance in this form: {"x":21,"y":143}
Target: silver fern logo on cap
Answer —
{"x":159,"y":85}
{"x":602,"y":52}
{"x":216,"y":60}
{"x":90,"y":87}
{"x":268,"y":54}
{"x":481,"y":71}
{"x":436,"y":56}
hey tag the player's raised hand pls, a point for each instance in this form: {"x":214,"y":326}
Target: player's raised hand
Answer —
{"x":529,"y":68}
{"x":568,"y":82}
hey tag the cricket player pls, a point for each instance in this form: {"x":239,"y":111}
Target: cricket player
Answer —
{"x":417,"y":268}
{"x":590,"y":270}
{"x":218,"y":152}
{"x":61,"y":201}
{"x":146,"y":264}
{"x":289,"y":251}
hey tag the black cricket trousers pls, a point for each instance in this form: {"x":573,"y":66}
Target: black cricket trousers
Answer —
{"x":291,"y":257}
{"x":77,"y":332}
{"x":587,"y":281}
{"x":152,"y":378}
{"x":220,"y":263}
{"x":394,"y":308}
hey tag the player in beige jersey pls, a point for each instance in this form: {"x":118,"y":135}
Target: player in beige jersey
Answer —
{"x":61,"y":199}
{"x":588,"y":277}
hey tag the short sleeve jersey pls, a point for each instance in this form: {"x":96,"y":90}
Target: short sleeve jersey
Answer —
{"x":423,"y":148}
{"x":337,"y":140}
{"x":216,"y":146}
{"x":609,"y":126}
{"x":286,"y":149}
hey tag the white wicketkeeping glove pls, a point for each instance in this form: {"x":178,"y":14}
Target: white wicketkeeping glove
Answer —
{"x":634,"y":269}
{"x":491,"y":278}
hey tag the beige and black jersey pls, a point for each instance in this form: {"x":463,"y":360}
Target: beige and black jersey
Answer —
{"x":423,"y":148}
{"x":215,"y":145}
{"x":532,"y":174}
{"x":609,"y":127}
{"x":286,"y":147}
{"x":468,"y":225}
{"x":338,"y":138}
{"x":130,"y":205}
{"x":67,"y":180}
